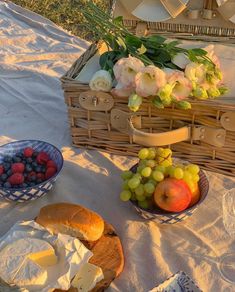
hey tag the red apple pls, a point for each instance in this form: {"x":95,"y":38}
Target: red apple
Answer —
{"x":172,"y":195}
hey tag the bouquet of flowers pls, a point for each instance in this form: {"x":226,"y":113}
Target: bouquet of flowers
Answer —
{"x":151,"y":67}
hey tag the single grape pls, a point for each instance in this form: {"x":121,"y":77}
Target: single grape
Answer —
{"x":140,"y":198}
{"x":193,"y":168}
{"x":143,"y":162}
{"x":140,"y":168}
{"x":191,"y":185}
{"x":158,"y":175}
{"x":139,"y":190}
{"x":147,"y":195}
{"x":133,"y":183}
{"x":152,"y":181}
{"x":126,"y":174}
{"x":178,"y":173}
{"x":149,"y":188}
{"x":143,"y":204}
{"x":146,"y":172}
{"x":151,"y":163}
{"x":159,"y":151}
{"x":160,"y":168}
{"x":137,"y":175}
{"x":125,"y":195}
{"x":167,"y":152}
{"x":195,"y":178}
{"x":165,"y":162}
{"x":187,"y":176}
{"x":143,"y":153}
{"x":152,"y":153}
{"x":125,"y":185}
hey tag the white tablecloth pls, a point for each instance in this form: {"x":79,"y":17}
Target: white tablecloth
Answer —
{"x":34,"y":53}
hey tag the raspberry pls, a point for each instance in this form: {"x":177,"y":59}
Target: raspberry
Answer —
{"x":50,"y":172}
{"x":42,"y":158}
{"x":51,"y":163}
{"x":1,"y":169}
{"x":28,"y":152}
{"x":17,"y":167}
{"x":41,"y":176}
{"x":16,"y":179}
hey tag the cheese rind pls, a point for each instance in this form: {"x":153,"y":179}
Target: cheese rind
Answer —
{"x":19,"y":264}
{"x":87,"y":277}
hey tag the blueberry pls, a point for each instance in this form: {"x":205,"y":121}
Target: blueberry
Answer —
{"x":38,"y":169}
{"x":7,"y":159}
{"x":24,"y":185}
{"x":25,"y":174}
{"x":43,"y":168}
{"x":31,"y":184}
{"x":32,"y":178}
{"x":35,"y":154}
{"x":28,"y":168}
{"x":6,"y":166}
{"x":20,"y":154}
{"x":29,"y":160}
{"x":4,"y":177}
{"x":7,"y":185}
{"x":9,"y":172}
{"x":39,"y":180}
{"x":34,"y":164}
{"x":17,"y":159}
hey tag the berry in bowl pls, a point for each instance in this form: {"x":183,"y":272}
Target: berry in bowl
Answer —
{"x":28,"y":169}
{"x":161,"y":190}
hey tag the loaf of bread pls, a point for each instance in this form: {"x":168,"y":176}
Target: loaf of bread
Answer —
{"x":71,"y":219}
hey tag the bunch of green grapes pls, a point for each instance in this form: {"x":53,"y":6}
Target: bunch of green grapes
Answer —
{"x":154,"y":166}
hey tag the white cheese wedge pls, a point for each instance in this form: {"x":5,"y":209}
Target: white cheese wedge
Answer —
{"x":22,"y":262}
{"x":87,"y":277}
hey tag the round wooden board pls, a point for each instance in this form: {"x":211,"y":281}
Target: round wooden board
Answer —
{"x":108,"y":255}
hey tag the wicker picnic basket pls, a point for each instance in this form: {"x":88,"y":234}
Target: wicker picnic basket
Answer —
{"x":204,"y":135}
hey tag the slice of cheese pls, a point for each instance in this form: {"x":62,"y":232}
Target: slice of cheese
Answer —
{"x":21,"y":262}
{"x":44,"y":258}
{"x":87,"y":277}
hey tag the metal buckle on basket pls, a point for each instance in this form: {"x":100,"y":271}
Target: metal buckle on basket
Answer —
{"x":209,"y":135}
{"x":96,"y":100}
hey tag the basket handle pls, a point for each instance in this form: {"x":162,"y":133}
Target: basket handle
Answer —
{"x":158,"y":139}
{"x":126,"y":123}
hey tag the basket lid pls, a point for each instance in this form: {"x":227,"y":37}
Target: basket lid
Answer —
{"x":184,"y":19}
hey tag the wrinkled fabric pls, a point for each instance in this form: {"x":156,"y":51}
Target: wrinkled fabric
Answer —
{"x":34,"y":53}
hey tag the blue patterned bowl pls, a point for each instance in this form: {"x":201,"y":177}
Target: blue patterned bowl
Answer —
{"x":30,"y":193}
{"x":164,"y":217}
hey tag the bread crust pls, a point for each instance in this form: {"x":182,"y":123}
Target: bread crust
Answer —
{"x":71,"y":219}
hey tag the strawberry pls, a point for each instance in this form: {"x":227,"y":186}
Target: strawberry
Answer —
{"x":51,"y":163}
{"x":28,"y":152}
{"x":17,"y":167}
{"x":1,"y":169}
{"x":41,"y":176}
{"x":16,"y":179}
{"x":50,"y":172}
{"x":42,"y":158}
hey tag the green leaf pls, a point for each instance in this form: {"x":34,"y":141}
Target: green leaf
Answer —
{"x":118,"y":20}
{"x":133,"y":41}
{"x":142,"y":50}
{"x":156,"y":39}
{"x":199,"y":52}
{"x":173,"y":44}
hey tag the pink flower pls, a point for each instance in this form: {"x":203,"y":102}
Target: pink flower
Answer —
{"x":121,"y":91}
{"x":125,"y":70}
{"x":182,"y":87}
{"x":149,"y":80}
{"x":211,"y":54}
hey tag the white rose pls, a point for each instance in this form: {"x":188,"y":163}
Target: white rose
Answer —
{"x":125,"y":70}
{"x":195,"y":72}
{"x":149,"y":81}
{"x":101,"y":81}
